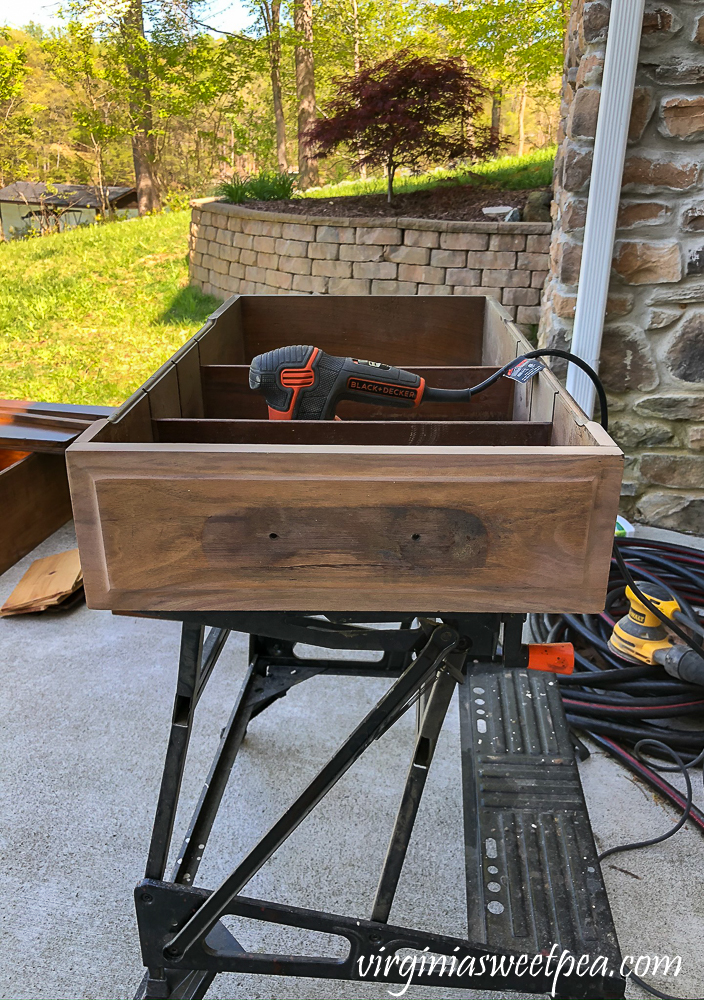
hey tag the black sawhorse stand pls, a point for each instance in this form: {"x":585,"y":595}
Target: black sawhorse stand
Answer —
{"x":533,"y":880}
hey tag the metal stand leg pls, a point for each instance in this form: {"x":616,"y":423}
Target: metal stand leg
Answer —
{"x":189,"y":668}
{"x":258,"y":690}
{"x":206,"y":810}
{"x":189,"y":677}
{"x":428,"y":661}
{"x":436,"y":706}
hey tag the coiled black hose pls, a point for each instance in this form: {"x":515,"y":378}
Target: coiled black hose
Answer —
{"x":619,"y":704}
{"x":613,"y":696}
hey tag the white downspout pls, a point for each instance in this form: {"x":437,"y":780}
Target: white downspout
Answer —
{"x":620,"y":63}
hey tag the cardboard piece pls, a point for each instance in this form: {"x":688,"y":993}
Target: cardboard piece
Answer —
{"x":48,"y":583}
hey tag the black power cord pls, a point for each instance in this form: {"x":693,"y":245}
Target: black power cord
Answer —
{"x":464,"y":395}
{"x":651,"y":989}
{"x":682,"y":768}
{"x":626,"y":573}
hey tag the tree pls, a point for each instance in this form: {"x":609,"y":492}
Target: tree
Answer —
{"x":119,"y":28}
{"x":350,"y":34}
{"x":515,"y":42}
{"x":99,"y":110}
{"x":136,"y":53}
{"x":305,"y":89}
{"x":16,"y":121}
{"x":406,"y":111}
{"x":269,"y":13}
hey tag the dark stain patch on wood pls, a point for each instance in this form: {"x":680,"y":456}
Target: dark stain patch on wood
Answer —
{"x":403,"y":538}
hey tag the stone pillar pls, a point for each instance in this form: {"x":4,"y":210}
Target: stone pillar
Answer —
{"x":652,"y":359}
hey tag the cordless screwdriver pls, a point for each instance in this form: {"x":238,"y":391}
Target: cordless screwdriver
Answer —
{"x":304,"y":383}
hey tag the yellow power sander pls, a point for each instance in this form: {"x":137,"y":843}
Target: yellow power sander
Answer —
{"x":642,"y":637}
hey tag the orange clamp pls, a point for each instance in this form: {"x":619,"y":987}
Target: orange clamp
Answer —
{"x":555,"y":657}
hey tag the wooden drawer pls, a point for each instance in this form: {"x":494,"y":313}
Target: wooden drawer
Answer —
{"x":188,"y":498}
{"x":34,"y":501}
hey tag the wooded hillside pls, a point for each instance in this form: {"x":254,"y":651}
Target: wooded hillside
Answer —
{"x":144,"y":92}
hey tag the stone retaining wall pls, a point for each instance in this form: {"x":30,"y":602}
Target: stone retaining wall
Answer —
{"x":240,"y":250}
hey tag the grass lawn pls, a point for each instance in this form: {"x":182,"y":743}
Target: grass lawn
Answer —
{"x":513,"y":173}
{"x":86,"y":316}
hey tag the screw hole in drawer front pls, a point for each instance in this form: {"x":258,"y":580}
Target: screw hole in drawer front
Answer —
{"x":346,"y":538}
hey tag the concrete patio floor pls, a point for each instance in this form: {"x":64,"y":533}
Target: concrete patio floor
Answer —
{"x":87,"y":698}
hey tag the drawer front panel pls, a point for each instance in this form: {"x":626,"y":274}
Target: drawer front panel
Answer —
{"x":374,"y":534}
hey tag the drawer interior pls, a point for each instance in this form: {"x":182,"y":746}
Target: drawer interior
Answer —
{"x":202,"y":395}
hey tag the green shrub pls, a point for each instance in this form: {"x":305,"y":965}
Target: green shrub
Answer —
{"x":178,"y":201}
{"x":268,"y":185}
{"x":271,"y":186}
{"x":234,"y":191}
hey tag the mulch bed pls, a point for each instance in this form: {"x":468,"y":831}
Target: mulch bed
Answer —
{"x":459,"y":202}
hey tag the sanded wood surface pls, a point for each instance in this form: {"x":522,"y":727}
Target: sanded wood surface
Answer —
{"x":187,"y":499}
{"x":9,"y":458}
{"x":84,"y":412}
{"x":36,"y":437}
{"x":131,"y":423}
{"x":22,"y":429}
{"x":187,"y":362}
{"x":228,"y":396}
{"x":417,"y":432}
{"x":34,"y":501}
{"x":543,"y":397}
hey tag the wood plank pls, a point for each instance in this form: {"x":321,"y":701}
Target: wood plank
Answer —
{"x":421,"y":330}
{"x":131,"y":422}
{"x":8,"y":458}
{"x":222,"y":340}
{"x":228,"y":396}
{"x":34,"y":501}
{"x":544,"y":397}
{"x":50,"y":421}
{"x":503,"y":341}
{"x":162,"y":392}
{"x":187,"y":362}
{"x":417,"y":432}
{"x":24,"y":428}
{"x":189,"y":526}
{"x":20,"y":437}
{"x":528,"y":530}
{"x":86,"y":412}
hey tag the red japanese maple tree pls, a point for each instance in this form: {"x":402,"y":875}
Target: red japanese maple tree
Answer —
{"x":406,"y":111}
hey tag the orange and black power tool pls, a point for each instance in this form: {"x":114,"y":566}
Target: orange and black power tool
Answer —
{"x":304,"y":383}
